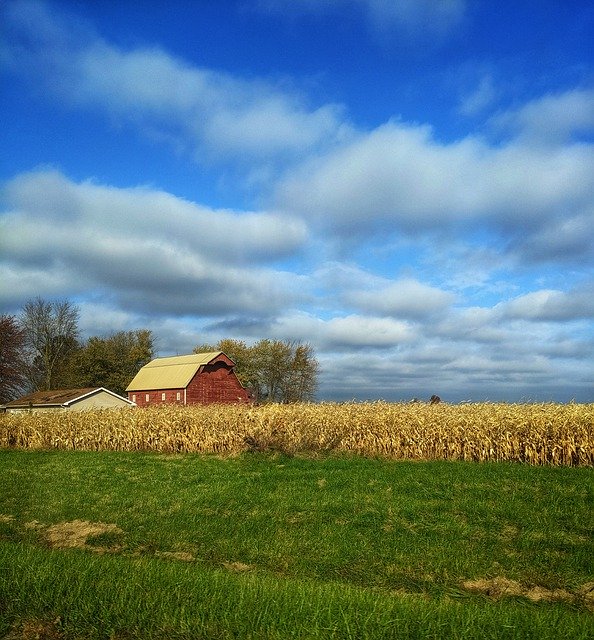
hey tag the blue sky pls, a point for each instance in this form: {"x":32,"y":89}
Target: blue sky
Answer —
{"x":406,"y":185}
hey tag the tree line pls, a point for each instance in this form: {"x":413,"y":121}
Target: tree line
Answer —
{"x":41,"y":349}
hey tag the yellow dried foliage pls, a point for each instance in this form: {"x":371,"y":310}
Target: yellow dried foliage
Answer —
{"x":540,"y":434}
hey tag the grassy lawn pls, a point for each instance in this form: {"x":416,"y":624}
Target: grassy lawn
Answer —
{"x":126,"y":545}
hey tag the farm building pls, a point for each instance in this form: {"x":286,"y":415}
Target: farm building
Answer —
{"x":200,"y":378}
{"x":72,"y":399}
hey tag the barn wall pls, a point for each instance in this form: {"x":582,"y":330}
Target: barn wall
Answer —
{"x":216,"y":382}
{"x":156,"y":397}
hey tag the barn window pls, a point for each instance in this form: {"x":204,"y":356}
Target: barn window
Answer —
{"x":178,"y":395}
{"x":163,"y":397}
{"x":147,"y":397}
{"x":133,"y":397}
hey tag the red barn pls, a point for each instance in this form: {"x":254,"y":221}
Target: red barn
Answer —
{"x":200,"y":378}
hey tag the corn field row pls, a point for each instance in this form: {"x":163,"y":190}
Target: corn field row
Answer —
{"x":539,"y":434}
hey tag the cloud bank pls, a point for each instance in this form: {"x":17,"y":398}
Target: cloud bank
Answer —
{"x":413,"y":262}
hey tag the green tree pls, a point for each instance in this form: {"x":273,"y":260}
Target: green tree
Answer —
{"x":12,"y":358}
{"x":51,"y":340}
{"x":275,"y":370}
{"x":112,"y":362}
{"x":302,"y":379}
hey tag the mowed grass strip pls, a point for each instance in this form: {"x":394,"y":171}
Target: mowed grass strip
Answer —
{"x":73,"y":595}
{"x":351,"y":544}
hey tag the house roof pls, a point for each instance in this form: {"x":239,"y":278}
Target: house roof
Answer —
{"x":175,"y":372}
{"x":58,"y":397}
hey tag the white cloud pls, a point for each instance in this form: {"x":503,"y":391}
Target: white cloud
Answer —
{"x":344,"y":332}
{"x":567,"y":239}
{"x":152,"y":249}
{"x":477,"y":101}
{"x":213,"y":114}
{"x":550,"y":119}
{"x":399,"y":178}
{"x":406,"y":298}
{"x":49,"y":199}
{"x":550,"y":305}
{"x":363,"y":331}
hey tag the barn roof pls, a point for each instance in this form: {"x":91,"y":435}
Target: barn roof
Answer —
{"x":175,"y":372}
{"x":57,"y":397}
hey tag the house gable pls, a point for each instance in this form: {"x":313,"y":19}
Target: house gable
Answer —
{"x":73,"y":399}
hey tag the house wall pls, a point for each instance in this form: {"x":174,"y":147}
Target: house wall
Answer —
{"x":33,"y":409}
{"x":100,"y":400}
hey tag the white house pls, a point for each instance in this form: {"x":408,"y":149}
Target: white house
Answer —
{"x":71,"y":399}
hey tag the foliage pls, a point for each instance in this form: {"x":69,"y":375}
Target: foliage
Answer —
{"x":51,"y":338}
{"x":12,"y":366}
{"x":112,"y":362}
{"x":275,"y":370}
{"x":540,"y":434}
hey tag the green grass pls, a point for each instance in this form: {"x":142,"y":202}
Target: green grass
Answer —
{"x":292,"y":547}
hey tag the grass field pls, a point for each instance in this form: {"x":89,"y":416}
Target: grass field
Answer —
{"x":263,"y":545}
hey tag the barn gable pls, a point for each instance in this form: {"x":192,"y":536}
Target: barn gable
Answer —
{"x":199,"y":378}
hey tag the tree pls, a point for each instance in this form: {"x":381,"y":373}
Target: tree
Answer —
{"x":302,"y":381}
{"x":112,"y":362}
{"x":275,"y":370}
{"x":51,"y":339}
{"x":12,"y":359}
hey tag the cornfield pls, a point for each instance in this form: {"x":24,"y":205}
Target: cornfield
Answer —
{"x":539,"y":434}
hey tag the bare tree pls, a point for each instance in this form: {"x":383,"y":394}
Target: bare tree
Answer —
{"x":12,"y":361}
{"x":51,"y":337}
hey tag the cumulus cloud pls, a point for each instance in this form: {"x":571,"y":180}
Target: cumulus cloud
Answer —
{"x":405,"y":298}
{"x":343,"y":332}
{"x":152,"y":249}
{"x":550,"y":119}
{"x":401,"y":298}
{"x":212,"y":114}
{"x":550,"y":305}
{"x":567,"y":239}
{"x":400,"y":178}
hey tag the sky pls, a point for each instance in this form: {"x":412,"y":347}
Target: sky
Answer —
{"x":406,"y":185}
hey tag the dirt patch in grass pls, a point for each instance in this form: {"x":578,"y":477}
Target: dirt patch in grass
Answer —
{"x":35,"y":630}
{"x":176,"y":555}
{"x":75,"y":534}
{"x":237,"y":567}
{"x":586,"y":593}
{"x":500,"y":587}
